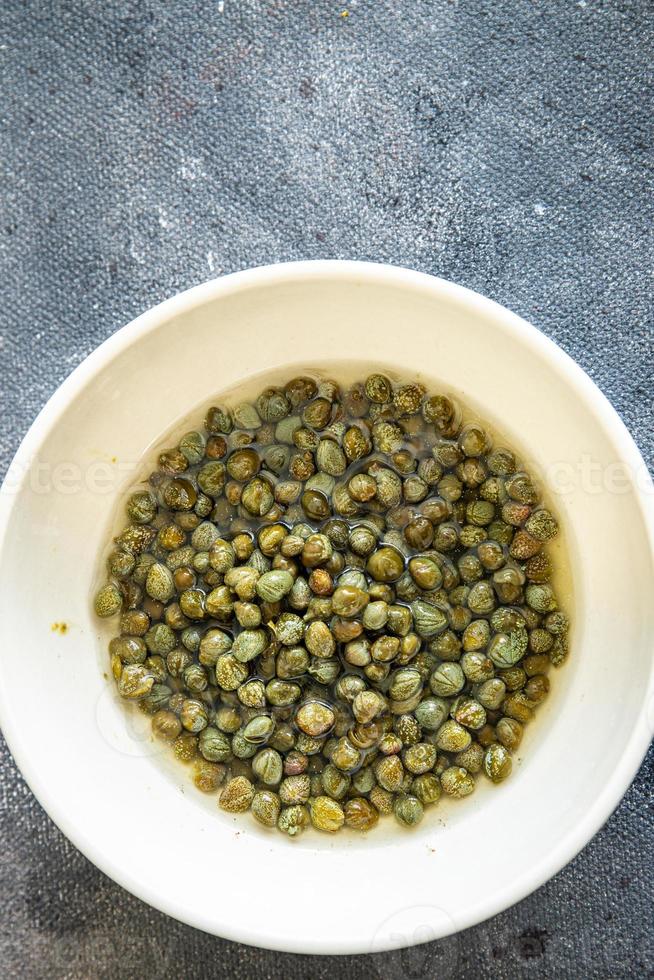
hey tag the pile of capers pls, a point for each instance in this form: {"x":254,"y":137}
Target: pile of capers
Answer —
{"x":336,"y":604}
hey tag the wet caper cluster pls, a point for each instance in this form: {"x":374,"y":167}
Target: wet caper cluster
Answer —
{"x":336,"y":604}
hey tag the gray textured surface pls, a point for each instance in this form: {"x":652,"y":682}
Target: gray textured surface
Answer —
{"x":148,"y":146}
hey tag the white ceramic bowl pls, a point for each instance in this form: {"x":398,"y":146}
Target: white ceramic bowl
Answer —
{"x":102,"y":779}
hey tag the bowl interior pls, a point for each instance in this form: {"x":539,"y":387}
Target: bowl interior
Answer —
{"x":94,"y":766}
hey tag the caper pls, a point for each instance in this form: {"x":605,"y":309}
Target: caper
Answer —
{"x":237,"y":795}
{"x":319,"y":640}
{"x":314,"y":718}
{"x":408,"y":728}
{"x":427,"y":788}
{"x":345,"y":596}
{"x":345,"y":756}
{"x":390,"y":773}
{"x":293,"y":819}
{"x":300,"y":390}
{"x":428,"y":618}
{"x":282,"y":693}
{"x":447,"y":680}
{"x":185,"y":747}
{"x":404,"y":684}
{"x":166,"y":725}
{"x":108,"y":601}
{"x":208,"y":776}
{"x":497,"y":763}
{"x":360,"y":814}
{"x":508,"y":732}
{"x":356,"y":443}
{"x":266,"y":807}
{"x":452,"y":737}
{"x":135,"y":681}
{"x":439,"y":410}
{"x":315,"y":504}
{"x":259,"y":729}
{"x":159,"y":583}
{"x":129,"y":649}
{"x":192,"y":603}
{"x":382,"y":799}
{"x":385,"y":565}
{"x":419,"y":758}
{"x":378,"y":388}
{"x":457,"y":781}
{"x":274,"y":585}
{"x":243,"y":464}
{"x":408,"y":810}
{"x":257,"y":497}
{"x":425,"y":572}
{"x":295,"y":790}
{"x":469,"y":713}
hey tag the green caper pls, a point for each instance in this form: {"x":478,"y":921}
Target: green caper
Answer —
{"x":266,"y":807}
{"x":135,"y":681}
{"x":382,"y":799}
{"x":378,"y":388}
{"x":404,"y":684}
{"x":419,"y":758}
{"x":408,"y":728}
{"x":452,"y":737}
{"x":282,"y":693}
{"x":208,"y":776}
{"x":130,"y":649}
{"x":214,"y":745}
{"x":497,"y":763}
{"x":293,"y":819}
{"x":356,"y":443}
{"x":469,"y":713}
{"x":326,"y":814}
{"x":108,"y":601}
{"x":243,"y":464}
{"x":425,"y":572}
{"x":360,"y":814}
{"x":259,"y":729}
{"x":237,"y":795}
{"x":390,"y":773}
{"x":249,"y":644}
{"x":120,"y":564}
{"x":185,"y":747}
{"x":351,"y":605}
{"x":428,"y":618}
{"x":274,"y":585}
{"x":315,"y":504}
{"x":314,"y":718}
{"x":541,"y":598}
{"x":319,"y":640}
{"x":408,"y":810}
{"x":166,"y":725}
{"x":385,"y":565}
{"x":159,"y":583}
{"x":257,"y":497}
{"x":431,"y":713}
{"x":228,"y":719}
{"x":509,"y":733}
{"x":345,"y":756}
{"x":447,"y":680}
{"x":335,"y":782}
{"x":268,"y":767}
{"x":229,"y":672}
{"x":141,"y":507}
{"x":457,"y":781}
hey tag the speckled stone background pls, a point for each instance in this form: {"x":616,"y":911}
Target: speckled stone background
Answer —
{"x":146,"y":146}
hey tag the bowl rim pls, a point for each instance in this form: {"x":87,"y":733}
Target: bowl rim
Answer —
{"x":370,"y":273}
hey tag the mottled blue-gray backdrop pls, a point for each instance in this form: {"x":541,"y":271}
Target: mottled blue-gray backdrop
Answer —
{"x":147,"y":146}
